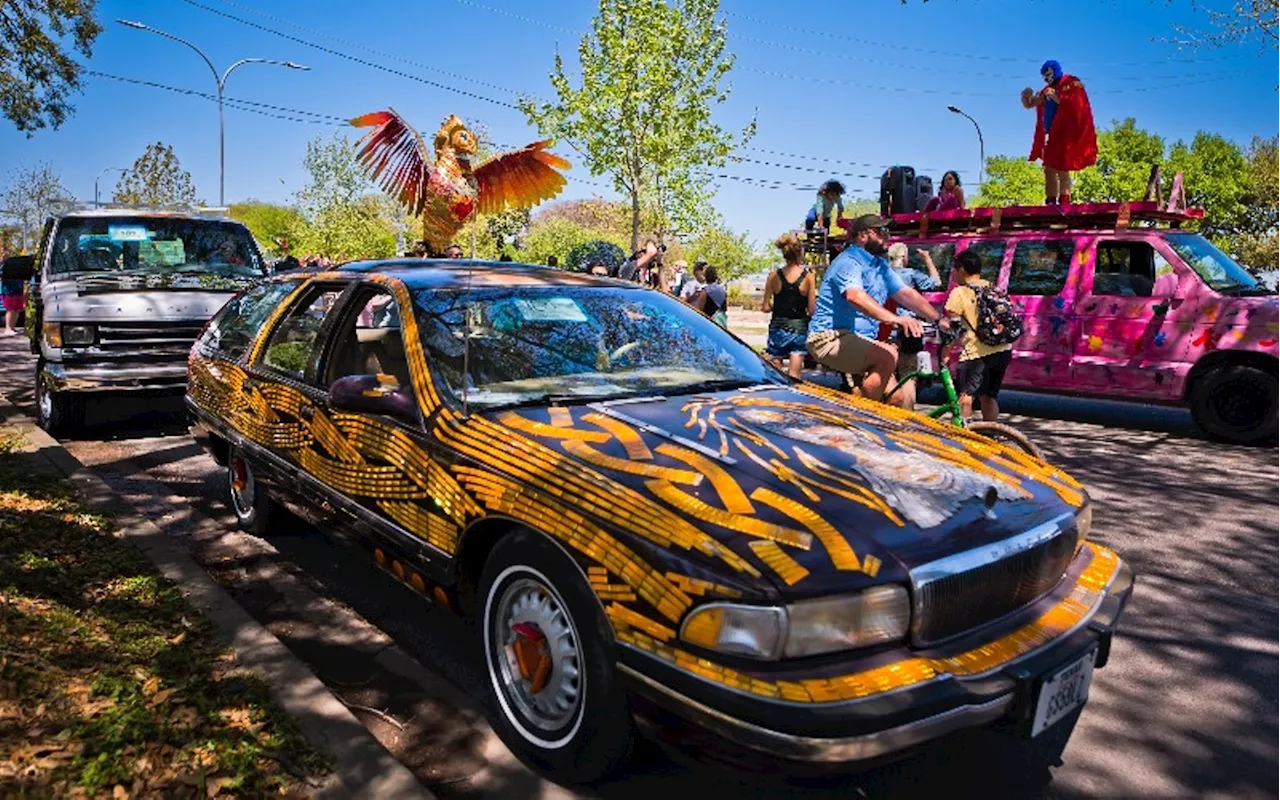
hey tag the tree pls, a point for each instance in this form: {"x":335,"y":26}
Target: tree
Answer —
{"x":1126,"y":154}
{"x":346,"y":218}
{"x":642,"y":113}
{"x":156,"y":179}
{"x":38,"y":70}
{"x":730,"y":253}
{"x":1011,"y":181}
{"x":1255,"y":243}
{"x":33,"y":195}
{"x":277,"y":228}
{"x":1248,"y":22}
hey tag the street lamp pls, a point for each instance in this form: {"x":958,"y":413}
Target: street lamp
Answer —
{"x":222,"y":82}
{"x":982,"y":149}
{"x":96,"y":202}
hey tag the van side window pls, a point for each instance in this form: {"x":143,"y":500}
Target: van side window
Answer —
{"x":1125,"y":269}
{"x":943,"y":255}
{"x":1041,"y":267}
{"x":991,"y":251}
{"x":235,"y":327}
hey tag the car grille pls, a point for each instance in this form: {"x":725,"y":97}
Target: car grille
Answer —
{"x":954,"y":595}
{"x":149,"y":341}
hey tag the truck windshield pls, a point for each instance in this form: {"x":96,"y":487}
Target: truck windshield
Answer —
{"x":154,"y":245}
{"x":1214,"y":266}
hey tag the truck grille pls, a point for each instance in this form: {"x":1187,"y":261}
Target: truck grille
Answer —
{"x":959,"y":593}
{"x":150,"y":341}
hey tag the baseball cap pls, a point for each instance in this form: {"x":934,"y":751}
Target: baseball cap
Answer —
{"x":868,"y":221}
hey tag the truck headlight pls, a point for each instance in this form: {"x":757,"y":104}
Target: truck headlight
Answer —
{"x":1084,"y":522}
{"x":804,"y":628}
{"x":81,"y":335}
{"x":53,"y":334}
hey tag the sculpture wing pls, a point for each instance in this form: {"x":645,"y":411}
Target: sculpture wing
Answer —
{"x":396,"y":157}
{"x":519,"y":179}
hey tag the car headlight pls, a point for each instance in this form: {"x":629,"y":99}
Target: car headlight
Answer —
{"x":1084,"y":521}
{"x":78,"y":334}
{"x":804,"y":628}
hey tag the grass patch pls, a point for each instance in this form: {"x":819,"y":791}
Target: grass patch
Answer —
{"x":109,"y":682}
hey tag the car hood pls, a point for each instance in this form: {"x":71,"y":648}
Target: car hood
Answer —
{"x":154,"y":297}
{"x":820,"y":491}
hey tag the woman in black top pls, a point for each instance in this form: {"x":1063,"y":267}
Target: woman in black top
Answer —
{"x":790,"y":294}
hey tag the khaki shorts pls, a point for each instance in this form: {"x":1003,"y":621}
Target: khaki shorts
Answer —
{"x":842,"y":351}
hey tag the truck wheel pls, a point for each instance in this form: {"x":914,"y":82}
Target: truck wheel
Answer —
{"x":250,"y":504}
{"x":550,"y":657}
{"x":1237,"y":404}
{"x":59,"y":413}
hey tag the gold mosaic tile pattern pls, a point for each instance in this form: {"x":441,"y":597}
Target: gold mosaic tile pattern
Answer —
{"x":784,"y":565}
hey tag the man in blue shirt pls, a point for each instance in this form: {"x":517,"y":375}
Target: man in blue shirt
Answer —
{"x":850,"y":310}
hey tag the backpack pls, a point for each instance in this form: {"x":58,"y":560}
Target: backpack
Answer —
{"x":998,"y":323}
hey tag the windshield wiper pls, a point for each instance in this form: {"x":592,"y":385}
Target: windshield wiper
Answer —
{"x":559,"y":399}
{"x":725,"y":384}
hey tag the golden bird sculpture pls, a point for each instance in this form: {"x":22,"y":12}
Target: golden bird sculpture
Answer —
{"x":445,"y":191}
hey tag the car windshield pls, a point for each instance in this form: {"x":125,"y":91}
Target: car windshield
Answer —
{"x":154,"y":245}
{"x":555,"y":344}
{"x":1214,"y":266}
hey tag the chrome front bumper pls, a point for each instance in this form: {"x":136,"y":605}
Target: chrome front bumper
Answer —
{"x":60,"y":377}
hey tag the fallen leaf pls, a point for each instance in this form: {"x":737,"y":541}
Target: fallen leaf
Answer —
{"x":40,"y":710}
{"x":214,"y":787}
{"x":177,"y":640}
{"x":160,"y":698}
{"x":186,"y":717}
{"x":151,"y":686}
{"x":120,"y":793}
{"x":185,"y":623}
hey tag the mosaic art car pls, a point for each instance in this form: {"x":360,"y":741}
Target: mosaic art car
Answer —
{"x":645,"y":521}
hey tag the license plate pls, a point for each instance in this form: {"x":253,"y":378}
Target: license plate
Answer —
{"x":1063,"y":693}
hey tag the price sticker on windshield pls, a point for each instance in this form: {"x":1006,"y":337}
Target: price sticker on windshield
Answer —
{"x":128,"y":233}
{"x":551,"y":309}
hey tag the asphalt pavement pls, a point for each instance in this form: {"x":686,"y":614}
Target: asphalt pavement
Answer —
{"x":1187,"y":705}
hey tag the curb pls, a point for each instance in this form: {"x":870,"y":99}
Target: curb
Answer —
{"x":362,"y":766}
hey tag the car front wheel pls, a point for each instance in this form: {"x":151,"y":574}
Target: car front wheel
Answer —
{"x":550,"y":658}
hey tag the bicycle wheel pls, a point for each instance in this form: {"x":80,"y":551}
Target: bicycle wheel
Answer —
{"x":1006,"y":435}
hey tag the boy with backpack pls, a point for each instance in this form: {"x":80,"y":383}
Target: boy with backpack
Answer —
{"x":991,"y":326}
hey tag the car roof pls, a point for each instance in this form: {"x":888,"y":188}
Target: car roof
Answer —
{"x":448,"y":273}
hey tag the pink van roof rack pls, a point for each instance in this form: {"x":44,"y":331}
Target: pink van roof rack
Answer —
{"x":1074,"y":216}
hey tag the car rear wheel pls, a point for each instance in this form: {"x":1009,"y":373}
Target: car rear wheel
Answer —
{"x":550,"y":657}
{"x":1237,"y":404}
{"x":250,"y":504}
{"x":59,"y":413}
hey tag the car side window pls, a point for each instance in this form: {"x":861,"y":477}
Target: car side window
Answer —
{"x":295,"y":342}
{"x":1040,"y":267}
{"x":1125,"y":269}
{"x":234,"y":328}
{"x":368,"y":341}
{"x":991,"y":251}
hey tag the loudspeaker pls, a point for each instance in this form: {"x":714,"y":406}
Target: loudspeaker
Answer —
{"x":898,"y":191}
{"x":924,"y":191}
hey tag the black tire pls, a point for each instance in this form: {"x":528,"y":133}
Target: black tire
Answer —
{"x":1237,"y":404}
{"x":1006,"y":435}
{"x":588,"y":732}
{"x":59,"y":413}
{"x":245,"y":496}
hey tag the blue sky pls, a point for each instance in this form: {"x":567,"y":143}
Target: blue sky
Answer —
{"x":869,"y":90}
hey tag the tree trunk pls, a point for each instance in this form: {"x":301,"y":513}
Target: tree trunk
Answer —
{"x":635,"y":220}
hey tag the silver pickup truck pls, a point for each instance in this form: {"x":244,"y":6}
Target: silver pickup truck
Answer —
{"x":120,"y":296}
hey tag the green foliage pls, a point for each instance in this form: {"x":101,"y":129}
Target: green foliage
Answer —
{"x":1126,"y":154}
{"x":642,"y":112}
{"x":346,"y":219}
{"x":555,"y":237}
{"x":1011,"y":181}
{"x":608,"y":253}
{"x":730,"y":253}
{"x":38,"y":70}
{"x":277,"y":228}
{"x":155,"y":179}
{"x":33,"y":195}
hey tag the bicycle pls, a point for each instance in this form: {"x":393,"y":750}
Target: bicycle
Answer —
{"x":924,"y":375}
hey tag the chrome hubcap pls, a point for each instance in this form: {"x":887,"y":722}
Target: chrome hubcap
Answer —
{"x":536,"y":650}
{"x":242,"y":486}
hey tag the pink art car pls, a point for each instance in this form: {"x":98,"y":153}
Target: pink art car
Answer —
{"x":1118,"y":304}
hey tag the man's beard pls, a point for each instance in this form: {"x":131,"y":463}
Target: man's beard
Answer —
{"x":876,"y":247}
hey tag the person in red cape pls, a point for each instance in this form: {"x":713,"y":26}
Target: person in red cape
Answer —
{"x":1065,"y":137}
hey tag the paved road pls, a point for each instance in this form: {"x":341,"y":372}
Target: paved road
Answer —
{"x":1187,"y":707}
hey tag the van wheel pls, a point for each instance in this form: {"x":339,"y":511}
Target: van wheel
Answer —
{"x":550,"y":659}
{"x":250,"y":504}
{"x":59,"y":413}
{"x":1237,"y":404}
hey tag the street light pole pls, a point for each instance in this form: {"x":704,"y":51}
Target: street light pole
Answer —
{"x":221,"y":81}
{"x":96,"y":202}
{"x":982,"y":149}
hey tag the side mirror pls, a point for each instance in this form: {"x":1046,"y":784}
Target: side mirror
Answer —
{"x":374,"y":394}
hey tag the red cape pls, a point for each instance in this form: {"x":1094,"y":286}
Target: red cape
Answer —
{"x":1073,"y":142}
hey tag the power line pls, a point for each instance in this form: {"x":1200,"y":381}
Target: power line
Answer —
{"x":295,"y":114}
{"x":349,"y":57}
